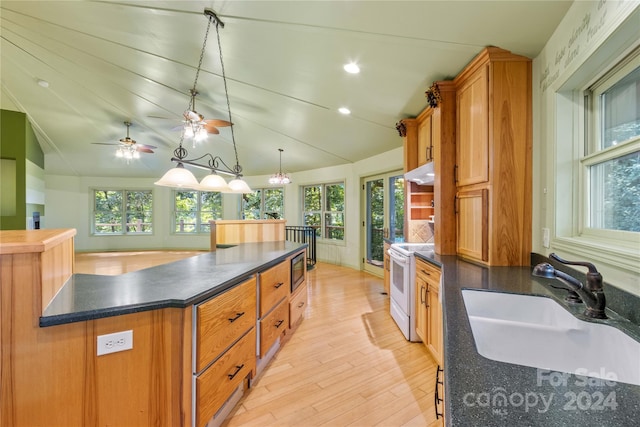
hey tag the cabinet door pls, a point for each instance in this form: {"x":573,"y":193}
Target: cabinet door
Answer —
{"x":275,"y":284}
{"x":434,"y":329}
{"x":473,"y":224}
{"x":425,"y":145}
{"x":472,"y":151}
{"x":421,"y":308}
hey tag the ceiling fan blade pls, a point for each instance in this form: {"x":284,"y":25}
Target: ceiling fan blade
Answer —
{"x":218,"y":123}
{"x":150,"y":147}
{"x":143,"y":149}
{"x":211,"y":129}
{"x":105,"y":143}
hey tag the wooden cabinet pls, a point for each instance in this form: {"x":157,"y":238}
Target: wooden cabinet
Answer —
{"x":225,"y":347}
{"x":493,"y":158}
{"x":214,"y":386}
{"x":472,"y":150}
{"x":275,"y":284}
{"x":222,"y":320}
{"x":297,"y":305}
{"x":472,"y":211}
{"x":420,"y":201}
{"x":429,"y":308}
{"x":273,"y":325}
{"x":425,"y":138}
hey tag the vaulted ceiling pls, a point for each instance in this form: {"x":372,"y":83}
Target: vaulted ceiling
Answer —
{"x":107,"y":62}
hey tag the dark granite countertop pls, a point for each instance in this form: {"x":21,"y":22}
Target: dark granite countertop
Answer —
{"x":176,"y":284}
{"x":484,"y":392}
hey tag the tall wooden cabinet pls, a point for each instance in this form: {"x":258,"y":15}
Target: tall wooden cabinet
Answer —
{"x":431,"y":137}
{"x":493,"y":158}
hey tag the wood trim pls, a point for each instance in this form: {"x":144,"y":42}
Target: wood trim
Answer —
{"x":27,"y":241}
{"x":248,"y":231}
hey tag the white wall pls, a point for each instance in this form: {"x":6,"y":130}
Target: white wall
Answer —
{"x":592,"y":36}
{"x":68,"y":201}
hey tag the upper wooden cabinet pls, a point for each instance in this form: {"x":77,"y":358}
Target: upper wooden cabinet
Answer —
{"x":425,"y":138}
{"x":493,"y":158}
{"x":472,"y":152}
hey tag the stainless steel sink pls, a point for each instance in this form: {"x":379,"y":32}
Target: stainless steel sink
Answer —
{"x":538,"y":332}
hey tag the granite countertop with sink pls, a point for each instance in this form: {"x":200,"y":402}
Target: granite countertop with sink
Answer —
{"x":483,"y":392}
{"x":176,"y":284}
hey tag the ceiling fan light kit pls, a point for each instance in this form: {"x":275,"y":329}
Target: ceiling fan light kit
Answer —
{"x":128,"y":148}
{"x":197,"y":128}
{"x":280,"y":178}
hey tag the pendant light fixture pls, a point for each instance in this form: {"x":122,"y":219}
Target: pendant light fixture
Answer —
{"x":280,"y":178}
{"x":196,"y":127}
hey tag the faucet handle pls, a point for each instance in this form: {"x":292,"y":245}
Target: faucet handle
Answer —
{"x":591,"y":267}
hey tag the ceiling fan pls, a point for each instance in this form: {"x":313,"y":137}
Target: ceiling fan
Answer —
{"x":195,"y":125}
{"x":128,"y":147}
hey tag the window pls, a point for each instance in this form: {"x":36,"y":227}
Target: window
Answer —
{"x":323,"y":209}
{"x":194,"y":209}
{"x":263,"y":203}
{"x":611,"y":164}
{"x":118,"y":212}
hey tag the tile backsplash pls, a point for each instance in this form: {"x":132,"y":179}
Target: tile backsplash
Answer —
{"x":420,"y":231}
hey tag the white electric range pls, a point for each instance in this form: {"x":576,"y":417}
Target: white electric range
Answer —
{"x":402,"y":289}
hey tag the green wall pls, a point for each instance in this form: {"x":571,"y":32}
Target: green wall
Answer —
{"x":18,"y":142}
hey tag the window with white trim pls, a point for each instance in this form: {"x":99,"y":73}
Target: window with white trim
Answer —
{"x":192,"y":211}
{"x":263,"y":203}
{"x":611,"y":160}
{"x":323,"y":209}
{"x":118,"y":212}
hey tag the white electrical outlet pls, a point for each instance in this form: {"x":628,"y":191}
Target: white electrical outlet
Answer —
{"x":112,"y":343}
{"x":545,"y":237}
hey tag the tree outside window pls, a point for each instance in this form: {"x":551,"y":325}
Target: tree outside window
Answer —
{"x":263,"y":203}
{"x":118,"y":212}
{"x":323,"y":209}
{"x":612,"y":160}
{"x":193,"y":211}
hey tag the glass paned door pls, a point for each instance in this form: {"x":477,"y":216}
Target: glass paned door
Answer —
{"x":383,"y":207}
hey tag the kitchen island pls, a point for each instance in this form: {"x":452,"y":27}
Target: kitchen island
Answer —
{"x":484,"y":392}
{"x":189,"y":321}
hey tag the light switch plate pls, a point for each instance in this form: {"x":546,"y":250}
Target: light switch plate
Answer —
{"x":112,"y":343}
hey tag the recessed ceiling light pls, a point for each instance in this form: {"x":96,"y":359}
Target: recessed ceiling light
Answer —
{"x":43,"y":83}
{"x":352,"y":68}
{"x":344,"y":110}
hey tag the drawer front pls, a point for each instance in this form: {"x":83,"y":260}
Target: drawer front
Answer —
{"x":222,"y":320}
{"x":274,"y":285}
{"x":273,"y":325}
{"x":217,"y":383}
{"x":297,"y":305}
{"x":428,"y":272}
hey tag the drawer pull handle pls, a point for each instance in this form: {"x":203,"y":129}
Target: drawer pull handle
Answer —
{"x":279,"y":323}
{"x":301,"y":305}
{"x":233,"y":319}
{"x":437,"y":399}
{"x":426,"y":272}
{"x":277,"y":285}
{"x":238,"y":369}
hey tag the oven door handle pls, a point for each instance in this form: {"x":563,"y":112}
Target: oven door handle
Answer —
{"x":398,"y":258}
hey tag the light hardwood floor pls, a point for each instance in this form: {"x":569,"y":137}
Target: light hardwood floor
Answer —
{"x":347,"y":364}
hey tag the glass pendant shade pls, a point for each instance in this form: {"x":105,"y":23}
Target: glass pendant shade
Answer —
{"x":239,"y":186}
{"x":213,"y":182}
{"x":279,"y":178}
{"x":178,"y":177}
